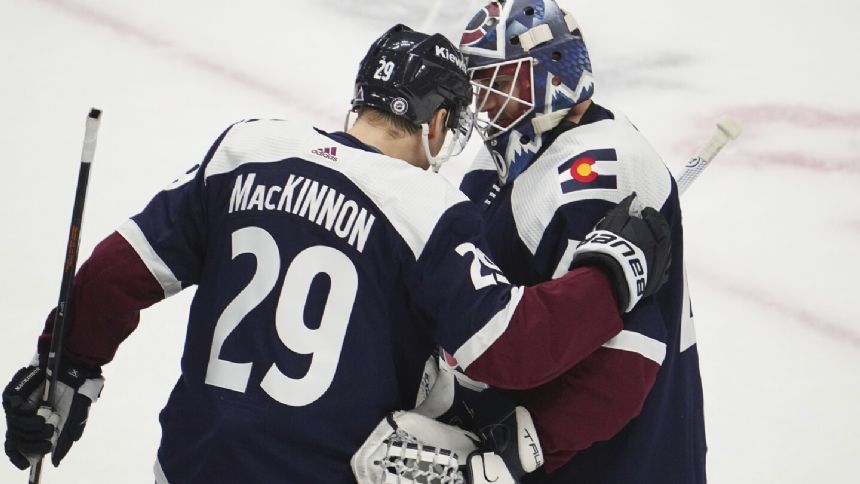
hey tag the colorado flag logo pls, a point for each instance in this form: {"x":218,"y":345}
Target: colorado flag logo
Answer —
{"x":588,"y":170}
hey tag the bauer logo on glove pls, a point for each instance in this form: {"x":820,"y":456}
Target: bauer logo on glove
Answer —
{"x":618,"y":245}
{"x":633,"y":250}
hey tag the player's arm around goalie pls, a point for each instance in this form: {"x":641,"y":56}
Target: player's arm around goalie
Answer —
{"x":540,"y":333}
{"x":569,"y":318}
{"x":627,"y":250}
{"x":597,"y":398}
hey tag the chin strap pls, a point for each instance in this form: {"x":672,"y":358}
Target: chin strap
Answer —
{"x":346,"y":120}
{"x":545,"y":122}
{"x":435,"y":161}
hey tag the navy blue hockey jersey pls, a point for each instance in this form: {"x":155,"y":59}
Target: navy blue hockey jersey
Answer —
{"x":326,"y":274}
{"x":325,"y":271}
{"x":632,"y":412}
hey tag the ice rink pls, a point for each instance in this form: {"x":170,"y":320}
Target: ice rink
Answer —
{"x":772,"y":228}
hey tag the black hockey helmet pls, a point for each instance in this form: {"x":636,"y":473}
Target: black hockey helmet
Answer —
{"x":412,"y":75}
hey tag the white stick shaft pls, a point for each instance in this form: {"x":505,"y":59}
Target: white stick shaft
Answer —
{"x":726,"y":130}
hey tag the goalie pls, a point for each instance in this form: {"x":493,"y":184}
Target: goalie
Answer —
{"x":554,"y":161}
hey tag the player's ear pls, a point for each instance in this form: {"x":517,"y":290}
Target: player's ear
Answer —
{"x":437,"y":123}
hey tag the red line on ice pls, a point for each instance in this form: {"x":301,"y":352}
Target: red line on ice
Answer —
{"x":797,"y":115}
{"x":766,"y":119}
{"x":802,"y":160}
{"x":806,"y":317}
{"x":188,"y":57}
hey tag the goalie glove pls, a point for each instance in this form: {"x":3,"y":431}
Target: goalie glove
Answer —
{"x":447,"y":394}
{"x":634,"y":250}
{"x":508,"y":436}
{"x":32,"y":430}
{"x":409,"y":448}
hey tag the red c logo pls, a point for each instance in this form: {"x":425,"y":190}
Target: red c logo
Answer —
{"x":582,"y":170}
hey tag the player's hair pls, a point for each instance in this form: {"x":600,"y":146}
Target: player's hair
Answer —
{"x":395,"y":126}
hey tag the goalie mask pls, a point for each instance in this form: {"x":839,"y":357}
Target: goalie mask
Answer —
{"x":529,"y":66}
{"x":412,"y":75}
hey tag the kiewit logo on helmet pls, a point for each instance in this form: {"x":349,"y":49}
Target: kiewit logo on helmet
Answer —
{"x":330,"y":153}
{"x":444,"y":53}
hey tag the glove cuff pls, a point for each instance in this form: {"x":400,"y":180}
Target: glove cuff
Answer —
{"x":82,"y":379}
{"x":515,"y":439}
{"x":623,"y":261}
{"x":488,"y":468}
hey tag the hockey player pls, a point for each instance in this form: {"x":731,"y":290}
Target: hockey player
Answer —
{"x":328,"y":266}
{"x":555,"y":161}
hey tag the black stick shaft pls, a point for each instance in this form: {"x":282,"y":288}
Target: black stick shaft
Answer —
{"x":69,"y":266}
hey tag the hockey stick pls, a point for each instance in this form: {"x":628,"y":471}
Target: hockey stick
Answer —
{"x":727,"y":130}
{"x":69,"y":266}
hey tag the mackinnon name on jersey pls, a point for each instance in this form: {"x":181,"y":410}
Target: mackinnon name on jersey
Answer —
{"x":308,"y":199}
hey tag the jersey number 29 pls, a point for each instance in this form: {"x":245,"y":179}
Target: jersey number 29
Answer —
{"x":324,"y":343}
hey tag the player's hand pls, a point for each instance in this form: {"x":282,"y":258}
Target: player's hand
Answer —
{"x":635,"y":250}
{"x":33,"y":431}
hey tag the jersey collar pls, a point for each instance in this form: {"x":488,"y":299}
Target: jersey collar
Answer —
{"x":347,"y":139}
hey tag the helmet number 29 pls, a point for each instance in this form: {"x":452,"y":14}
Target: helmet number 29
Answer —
{"x":383,"y":72}
{"x":324,"y":343}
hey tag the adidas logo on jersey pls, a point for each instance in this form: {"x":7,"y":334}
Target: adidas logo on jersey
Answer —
{"x":330,"y":153}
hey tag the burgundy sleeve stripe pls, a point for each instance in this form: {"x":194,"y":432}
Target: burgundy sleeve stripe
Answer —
{"x":162,"y":273}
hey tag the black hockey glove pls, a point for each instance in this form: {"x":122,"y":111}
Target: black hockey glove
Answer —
{"x":635,"y":250}
{"x":33,"y":431}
